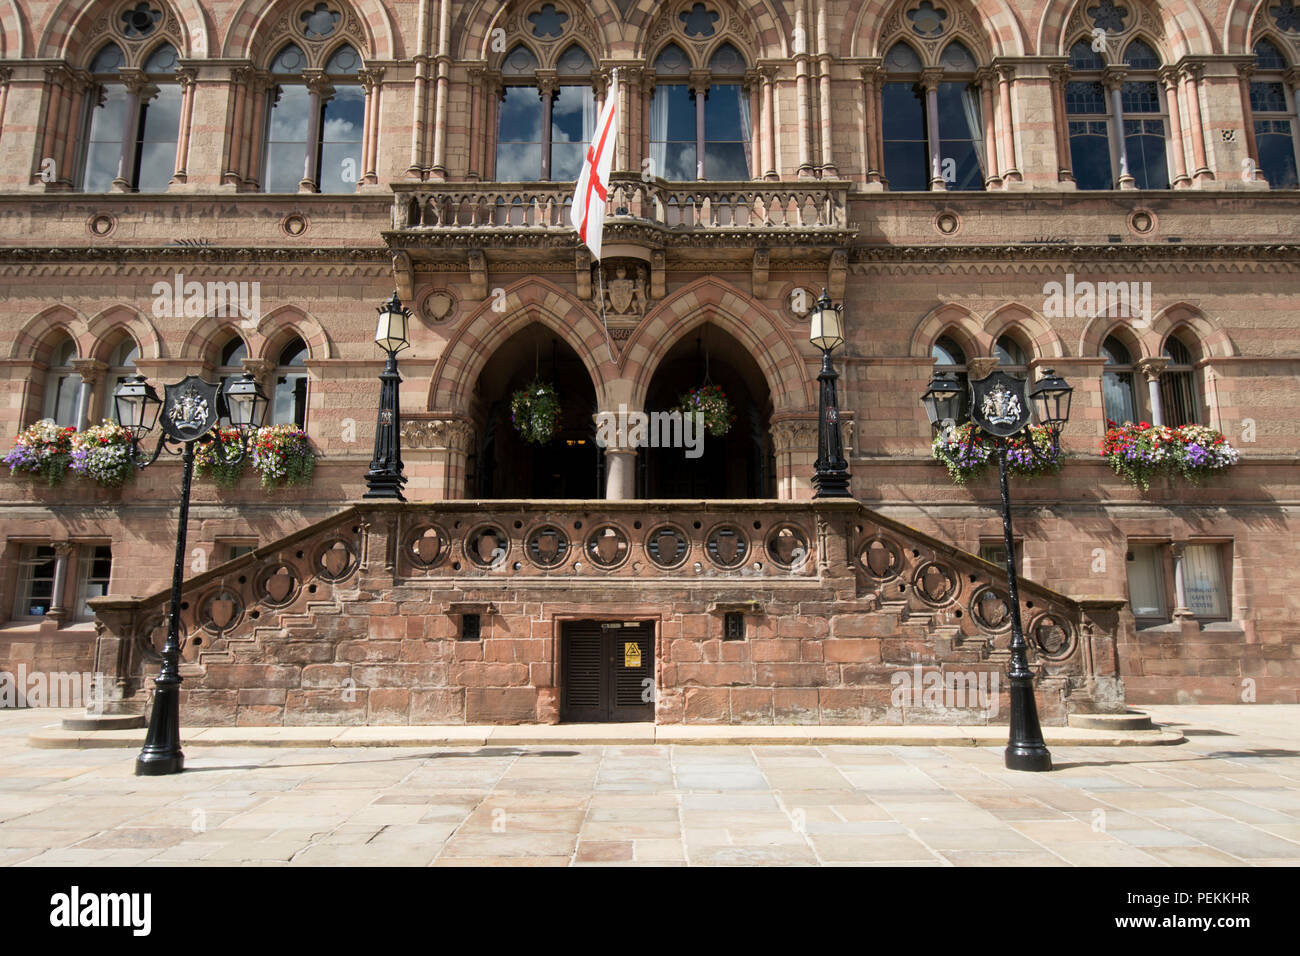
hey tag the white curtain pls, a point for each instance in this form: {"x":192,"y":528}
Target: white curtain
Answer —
{"x":588,"y":114}
{"x":747,"y":129}
{"x":1145,"y":593}
{"x":659,"y":131}
{"x":1203,"y":581}
{"x":971,"y":107}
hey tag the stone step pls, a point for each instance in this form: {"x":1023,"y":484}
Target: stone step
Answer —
{"x":104,"y":722}
{"x":1130,"y":720}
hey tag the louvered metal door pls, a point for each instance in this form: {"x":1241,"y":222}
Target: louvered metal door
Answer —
{"x":597,"y":683}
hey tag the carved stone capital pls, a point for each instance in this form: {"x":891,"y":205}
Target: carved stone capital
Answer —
{"x":980,"y":366}
{"x":90,"y":370}
{"x":1152,"y":368}
{"x":316,"y":82}
{"x":442,"y":434}
{"x":1113,"y":77}
{"x":794,"y":434}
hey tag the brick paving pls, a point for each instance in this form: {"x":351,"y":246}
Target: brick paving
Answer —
{"x":1229,"y":796}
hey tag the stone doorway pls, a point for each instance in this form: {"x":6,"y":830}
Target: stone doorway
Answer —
{"x":607,"y":671}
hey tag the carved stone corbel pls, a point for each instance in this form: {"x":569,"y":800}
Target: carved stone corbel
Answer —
{"x":762,"y":260}
{"x":478,"y":278}
{"x":404,"y":274}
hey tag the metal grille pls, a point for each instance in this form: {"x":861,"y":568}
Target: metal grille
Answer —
{"x":630,"y":682}
{"x":582,"y":673}
{"x":471,"y":627}
{"x":733,"y":626}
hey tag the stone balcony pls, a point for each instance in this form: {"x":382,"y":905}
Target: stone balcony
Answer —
{"x":835,"y":601}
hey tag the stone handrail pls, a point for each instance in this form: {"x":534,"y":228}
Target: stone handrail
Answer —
{"x":746,"y":205}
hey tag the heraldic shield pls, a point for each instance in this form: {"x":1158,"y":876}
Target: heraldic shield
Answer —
{"x":189,"y":409}
{"x":999,"y":405}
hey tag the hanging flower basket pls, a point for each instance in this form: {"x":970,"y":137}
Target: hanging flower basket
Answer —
{"x":283,"y":456}
{"x":43,"y":449}
{"x":210,"y":465}
{"x":102,"y":454}
{"x":1141,"y":451}
{"x":535,"y":412}
{"x":711,"y":402}
{"x":967,"y":458}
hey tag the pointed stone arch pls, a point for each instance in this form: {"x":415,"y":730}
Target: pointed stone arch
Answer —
{"x":1212,"y":338}
{"x":274,"y":328}
{"x":13,"y":31}
{"x":210,"y":330}
{"x":1101,"y":327}
{"x":72,"y":25}
{"x":1042,"y":338}
{"x":600,"y":26}
{"x":955,"y":320}
{"x":34,"y":338}
{"x":1002,"y":32}
{"x":121,"y":317}
{"x":710,"y":299}
{"x":528,"y":301}
{"x":764,"y":29}
{"x":254,"y":24}
{"x":1186,"y":29}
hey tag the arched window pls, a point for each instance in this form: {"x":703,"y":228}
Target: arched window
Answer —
{"x":314,"y":128}
{"x":950,"y":357}
{"x":231,"y":366}
{"x":132,"y":127}
{"x":1178,"y":396}
{"x":1118,"y":395}
{"x":1273,"y":112}
{"x":63,"y":385}
{"x":1011,"y":357}
{"x":1121,"y":132}
{"x":290,"y":401}
{"x":700,"y":130}
{"x":933,"y":129}
{"x":543,"y":128}
{"x":121,"y":364}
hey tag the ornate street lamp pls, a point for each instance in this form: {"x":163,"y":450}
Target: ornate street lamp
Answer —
{"x":385,"y":478}
{"x":190,"y":411}
{"x":1000,"y":409}
{"x":831,"y":474}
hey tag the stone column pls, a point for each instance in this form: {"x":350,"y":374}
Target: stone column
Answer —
{"x":235,"y":172}
{"x":439,"y":171}
{"x":1169,"y":78}
{"x":992,"y":178}
{"x":1244,"y":72}
{"x":115,"y":624}
{"x":930,"y":80}
{"x":828,"y":169}
{"x":259,"y":85}
{"x":752,"y":87}
{"x":1114,"y":82}
{"x":1152,"y":368}
{"x":139,"y":91}
{"x":699,"y":86}
{"x":449,"y":440}
{"x":79,"y":84}
{"x":806,"y":170}
{"x":1181,"y":610}
{"x":1060,"y":74}
{"x":418,"y":126}
{"x":869,"y":131}
{"x":371,"y":82}
{"x":1191,"y":77}
{"x":56,"y":78}
{"x":187,"y":79}
{"x":794,"y":441}
{"x":319,"y":92}
{"x":1010,"y":171}
{"x":92,"y":373}
{"x":57,"y":612}
{"x":547,"y":84}
{"x":769,"y":124}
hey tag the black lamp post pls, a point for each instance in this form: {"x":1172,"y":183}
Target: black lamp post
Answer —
{"x":385,"y":478}
{"x":1000,"y":410}
{"x":831,"y":470}
{"x":190,"y":411}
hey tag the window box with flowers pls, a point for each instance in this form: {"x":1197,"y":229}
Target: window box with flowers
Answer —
{"x":1141,"y":451}
{"x":102,"y":454}
{"x":968,"y":456}
{"x":43,"y":449}
{"x":280,"y":454}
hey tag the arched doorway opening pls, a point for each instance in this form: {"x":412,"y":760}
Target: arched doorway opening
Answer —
{"x":502,"y":463}
{"x":739,"y":464}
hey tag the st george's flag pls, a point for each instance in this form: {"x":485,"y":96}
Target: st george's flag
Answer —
{"x":591,"y":193}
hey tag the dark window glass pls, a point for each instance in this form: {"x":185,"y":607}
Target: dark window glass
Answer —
{"x":343,"y":61}
{"x":951,"y":357}
{"x":573,"y":60}
{"x":286,"y":141}
{"x":671,"y":61}
{"x":1117,"y":382}
{"x":1090,"y":154}
{"x":107,"y":60}
{"x":1084,"y":57}
{"x":340,"y":148}
{"x":960,"y":136}
{"x":1145,"y":143}
{"x":290,"y":401}
{"x":672,"y":132}
{"x":1277,"y":159}
{"x":160,"y":120}
{"x":1085,"y":98}
{"x":289,"y":60}
{"x":37,"y":581}
{"x":1140,"y":97}
{"x":573,"y":121}
{"x":1140,"y":56}
{"x":906,"y":152}
{"x":519,"y":135}
{"x":1268,"y":56}
{"x":726,"y":131}
{"x":1268,"y":98}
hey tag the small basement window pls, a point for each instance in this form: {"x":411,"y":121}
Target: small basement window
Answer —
{"x":733,"y":626}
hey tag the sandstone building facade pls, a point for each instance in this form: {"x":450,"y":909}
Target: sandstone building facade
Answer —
{"x":967,"y":178}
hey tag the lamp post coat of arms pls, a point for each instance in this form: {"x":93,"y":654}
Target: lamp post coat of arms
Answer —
{"x":999,"y":405}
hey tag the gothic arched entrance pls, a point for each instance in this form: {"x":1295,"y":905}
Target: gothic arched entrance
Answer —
{"x":505,"y":465}
{"x":738,"y":464}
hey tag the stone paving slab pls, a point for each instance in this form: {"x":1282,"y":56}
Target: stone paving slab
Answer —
{"x":1227,"y":795}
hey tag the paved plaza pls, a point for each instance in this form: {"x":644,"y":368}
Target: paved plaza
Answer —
{"x":1229,"y":795}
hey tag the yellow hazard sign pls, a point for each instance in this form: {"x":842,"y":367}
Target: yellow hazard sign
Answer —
{"x":631,"y":654}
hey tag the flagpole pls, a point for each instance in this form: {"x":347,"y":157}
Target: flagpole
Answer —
{"x":600,"y":267}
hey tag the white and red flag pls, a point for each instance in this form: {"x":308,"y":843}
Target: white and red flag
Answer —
{"x":592,"y":191}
